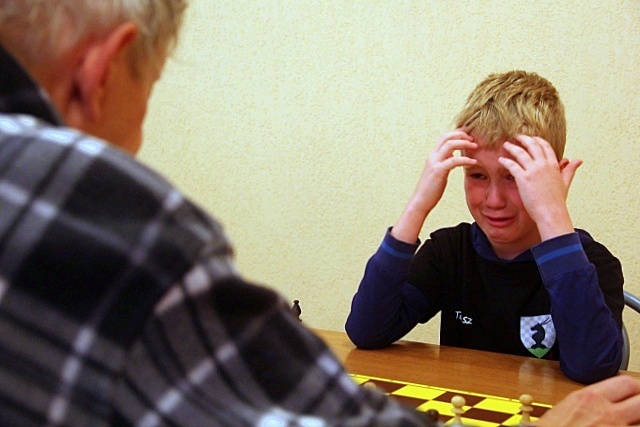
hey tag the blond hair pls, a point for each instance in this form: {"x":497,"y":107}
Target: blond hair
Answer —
{"x":38,"y":31}
{"x":517,"y":102}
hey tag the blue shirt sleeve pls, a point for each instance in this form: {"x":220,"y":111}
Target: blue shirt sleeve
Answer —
{"x":386,"y":307}
{"x":589,"y":338}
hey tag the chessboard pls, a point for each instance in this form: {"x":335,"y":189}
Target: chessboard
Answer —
{"x":479,"y":410}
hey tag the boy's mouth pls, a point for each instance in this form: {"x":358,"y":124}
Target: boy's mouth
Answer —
{"x":496,"y":221}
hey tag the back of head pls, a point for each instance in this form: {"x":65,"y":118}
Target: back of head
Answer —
{"x":38,"y":31}
{"x":517,"y":102}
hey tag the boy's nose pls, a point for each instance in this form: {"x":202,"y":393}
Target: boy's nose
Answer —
{"x":494,"y":197}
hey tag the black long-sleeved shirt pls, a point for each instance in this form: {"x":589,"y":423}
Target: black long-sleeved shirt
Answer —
{"x":562,"y":299}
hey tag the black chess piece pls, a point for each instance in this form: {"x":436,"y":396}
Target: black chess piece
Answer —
{"x":432,"y":416}
{"x":296,"y":310}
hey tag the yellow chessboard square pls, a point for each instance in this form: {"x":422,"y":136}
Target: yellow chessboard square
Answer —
{"x":500,"y":405}
{"x":417,"y":392}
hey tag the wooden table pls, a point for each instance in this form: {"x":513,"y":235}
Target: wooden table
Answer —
{"x":457,"y":368}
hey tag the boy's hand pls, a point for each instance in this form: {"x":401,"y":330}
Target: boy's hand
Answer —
{"x":432,"y":183}
{"x":440,"y":162}
{"x":543,"y":183}
{"x":612,"y":402}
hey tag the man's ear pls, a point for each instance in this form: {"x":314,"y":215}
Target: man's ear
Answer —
{"x":92,"y":73}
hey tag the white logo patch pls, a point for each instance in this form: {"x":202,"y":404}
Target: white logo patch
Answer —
{"x":538,"y":334}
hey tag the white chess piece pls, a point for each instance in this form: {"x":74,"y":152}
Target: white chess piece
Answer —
{"x":458,"y":403}
{"x":526,"y":409}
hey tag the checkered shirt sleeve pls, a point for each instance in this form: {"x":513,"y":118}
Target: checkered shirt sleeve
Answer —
{"x":120,"y":305}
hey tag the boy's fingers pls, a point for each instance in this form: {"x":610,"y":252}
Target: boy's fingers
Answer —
{"x":547,"y":149}
{"x":531,"y":145}
{"x":448,"y":148}
{"x":456,"y":134}
{"x":511,"y":165}
{"x":519,"y":153}
{"x":537,"y":147}
{"x":453,"y":162}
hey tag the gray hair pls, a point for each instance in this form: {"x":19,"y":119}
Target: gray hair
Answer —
{"x":39,"y":30}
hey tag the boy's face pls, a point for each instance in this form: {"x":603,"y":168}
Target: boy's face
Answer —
{"x":494,"y":202}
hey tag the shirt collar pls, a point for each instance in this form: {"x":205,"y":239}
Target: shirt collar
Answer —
{"x":483,"y":248}
{"x":20,"y":94}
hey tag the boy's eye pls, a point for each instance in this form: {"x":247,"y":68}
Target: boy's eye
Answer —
{"x":477,"y":175}
{"x":510,"y":178}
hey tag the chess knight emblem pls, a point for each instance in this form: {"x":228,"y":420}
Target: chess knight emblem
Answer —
{"x":538,"y":334}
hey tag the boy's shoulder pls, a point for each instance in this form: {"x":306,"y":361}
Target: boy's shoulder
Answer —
{"x":584,"y":235}
{"x":461,"y":230}
{"x":457,"y":239}
{"x":591,"y":246}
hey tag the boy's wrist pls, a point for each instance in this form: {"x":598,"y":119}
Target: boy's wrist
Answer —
{"x":394,"y":254}
{"x":559,"y":255}
{"x":409,"y":225}
{"x":556,"y":224}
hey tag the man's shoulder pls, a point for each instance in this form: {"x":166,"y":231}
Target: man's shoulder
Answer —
{"x":85,"y":178}
{"x":32,"y":144}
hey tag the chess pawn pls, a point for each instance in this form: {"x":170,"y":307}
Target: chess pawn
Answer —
{"x":526,"y":409}
{"x":433,"y":416}
{"x":458,"y":403}
{"x":296,"y":310}
{"x":371,"y":385}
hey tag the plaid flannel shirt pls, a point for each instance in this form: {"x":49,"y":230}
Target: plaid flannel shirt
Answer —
{"x":120,"y":304}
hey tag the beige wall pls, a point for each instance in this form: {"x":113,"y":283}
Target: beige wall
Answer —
{"x":303,"y":125}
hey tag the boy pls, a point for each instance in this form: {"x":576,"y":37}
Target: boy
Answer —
{"x":518,"y":280}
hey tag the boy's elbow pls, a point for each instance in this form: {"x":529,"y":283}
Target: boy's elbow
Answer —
{"x":363,"y":338}
{"x":357,"y":337}
{"x":365,"y":343}
{"x":590,"y":377}
{"x":592,"y":374}
{"x":591,"y":365}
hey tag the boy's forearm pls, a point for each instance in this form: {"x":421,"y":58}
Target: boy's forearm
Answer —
{"x":376,"y":318}
{"x":556,"y":222}
{"x":588,"y":335}
{"x":589,"y":338}
{"x":407,"y":228}
{"x":432,"y":183}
